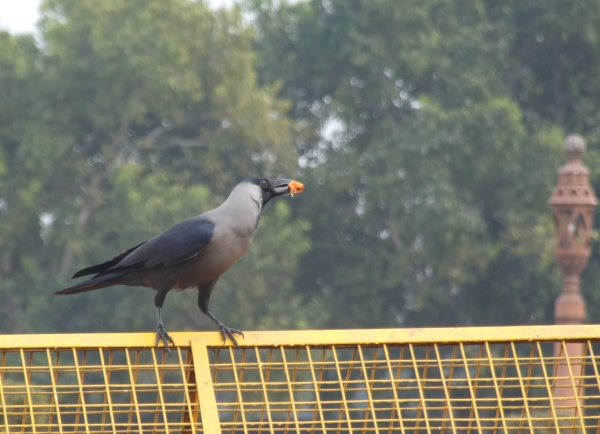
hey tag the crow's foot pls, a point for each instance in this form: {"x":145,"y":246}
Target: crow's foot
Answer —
{"x":227,"y":332}
{"x":162,"y":335}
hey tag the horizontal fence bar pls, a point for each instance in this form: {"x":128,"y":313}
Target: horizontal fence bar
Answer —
{"x":302,"y":338}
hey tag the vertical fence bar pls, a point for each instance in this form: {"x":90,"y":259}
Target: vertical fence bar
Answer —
{"x":369,"y":396}
{"x":53,"y":380}
{"x":160,"y":398}
{"x":472,"y":391}
{"x":342,"y":391}
{"x":27,"y":377}
{"x":421,"y":386}
{"x":189,"y":417}
{"x":496,"y":387}
{"x":548,"y":387}
{"x":264,"y":389}
{"x":238,"y":381}
{"x":317,"y":393}
{"x":2,"y":400}
{"x":133,"y":380}
{"x":290,"y":388}
{"x":393,"y":381}
{"x":81,"y":394}
{"x":573,"y":383}
{"x":520,"y":377}
{"x":107,"y":399}
{"x":208,"y":402}
{"x":594,"y":365}
{"x":445,"y":387}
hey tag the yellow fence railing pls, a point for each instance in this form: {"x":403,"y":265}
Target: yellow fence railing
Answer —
{"x":463,"y":380}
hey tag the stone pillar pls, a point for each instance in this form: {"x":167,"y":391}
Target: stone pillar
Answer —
{"x":573,"y":201}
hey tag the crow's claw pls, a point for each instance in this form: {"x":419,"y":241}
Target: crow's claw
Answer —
{"x":227,"y":332}
{"x":162,"y":335}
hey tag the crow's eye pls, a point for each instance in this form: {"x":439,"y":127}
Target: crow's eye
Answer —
{"x":264,"y":184}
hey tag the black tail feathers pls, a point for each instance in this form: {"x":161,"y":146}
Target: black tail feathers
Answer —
{"x":97,"y":282}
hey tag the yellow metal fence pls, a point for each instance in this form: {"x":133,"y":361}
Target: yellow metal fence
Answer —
{"x":464,"y":380}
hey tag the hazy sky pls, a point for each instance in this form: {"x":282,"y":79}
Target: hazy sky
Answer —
{"x":18,"y":16}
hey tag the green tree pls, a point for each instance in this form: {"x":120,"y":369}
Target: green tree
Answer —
{"x":144,"y":113}
{"x":554,"y":76}
{"x":19,"y":190}
{"x":428,"y":134}
{"x":428,"y":186}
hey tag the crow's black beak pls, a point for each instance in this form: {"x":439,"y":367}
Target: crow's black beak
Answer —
{"x":284,"y":186}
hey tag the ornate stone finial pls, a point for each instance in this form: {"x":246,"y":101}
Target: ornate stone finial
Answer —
{"x":573,"y":201}
{"x":575,"y":146}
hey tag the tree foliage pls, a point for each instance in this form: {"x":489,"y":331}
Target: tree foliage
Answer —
{"x":420,"y":143}
{"x":136,"y":115}
{"x":428,"y":134}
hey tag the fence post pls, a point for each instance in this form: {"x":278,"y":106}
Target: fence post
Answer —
{"x":206,"y":392}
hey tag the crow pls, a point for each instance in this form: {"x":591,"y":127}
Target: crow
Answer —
{"x":192,"y":254}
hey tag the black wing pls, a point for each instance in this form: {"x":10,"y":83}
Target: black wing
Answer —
{"x":183,"y":241}
{"x":95,"y":269}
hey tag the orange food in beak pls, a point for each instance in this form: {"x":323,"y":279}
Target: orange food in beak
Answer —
{"x":295,"y":187}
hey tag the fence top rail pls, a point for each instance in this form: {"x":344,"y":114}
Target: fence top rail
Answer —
{"x":417,"y":336}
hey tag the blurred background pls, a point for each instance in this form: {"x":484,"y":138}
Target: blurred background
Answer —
{"x":427,"y":133}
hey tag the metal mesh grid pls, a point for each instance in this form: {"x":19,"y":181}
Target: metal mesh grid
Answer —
{"x":489,"y":380}
{"x":403,"y":388}
{"x":96,"y":390}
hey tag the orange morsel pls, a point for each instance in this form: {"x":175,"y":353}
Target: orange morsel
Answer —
{"x":295,"y":187}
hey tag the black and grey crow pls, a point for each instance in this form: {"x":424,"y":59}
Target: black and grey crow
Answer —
{"x":191,"y":254}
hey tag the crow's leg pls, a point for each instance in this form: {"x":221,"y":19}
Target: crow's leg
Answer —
{"x":161,"y":333}
{"x":204,"y":291}
{"x":225,"y":331}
